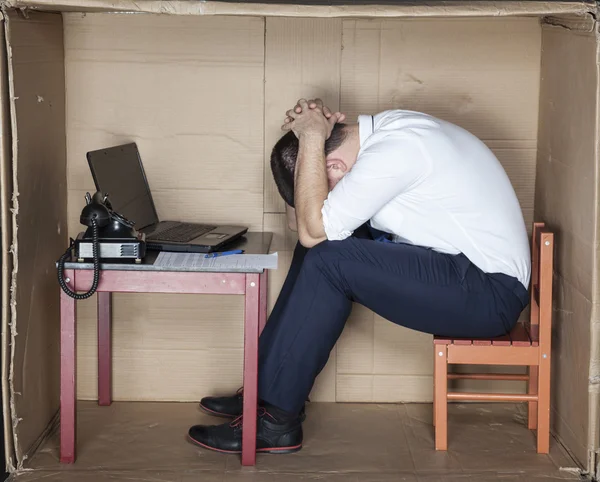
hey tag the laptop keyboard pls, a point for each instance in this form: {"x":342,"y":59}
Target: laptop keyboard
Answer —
{"x":182,"y":232}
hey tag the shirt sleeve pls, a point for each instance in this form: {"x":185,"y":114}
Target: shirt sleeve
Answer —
{"x":390,"y":164}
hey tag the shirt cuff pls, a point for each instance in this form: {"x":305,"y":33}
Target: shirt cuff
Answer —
{"x":333,"y":230}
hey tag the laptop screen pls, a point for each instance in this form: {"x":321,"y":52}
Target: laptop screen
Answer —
{"x":118,"y":172}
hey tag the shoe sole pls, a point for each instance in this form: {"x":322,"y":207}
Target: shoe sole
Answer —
{"x":227,"y":415}
{"x":274,"y":450}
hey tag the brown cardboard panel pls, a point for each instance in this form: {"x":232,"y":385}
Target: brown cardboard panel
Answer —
{"x":519,"y":164}
{"x":133,"y":436}
{"x":284,"y":239}
{"x":473,"y":429}
{"x":357,"y":343}
{"x":384,"y":388}
{"x":176,"y":90}
{"x":302,"y":60}
{"x":166,"y":375}
{"x":401,"y":351}
{"x":37,"y":63}
{"x":172,"y":161}
{"x":6,"y":220}
{"x":347,"y":439}
{"x":570,"y":368}
{"x":165,"y":347}
{"x":342,"y":442}
{"x":429,"y":66}
{"x":565,"y":193}
{"x":139,"y":327}
{"x":566,"y":164}
{"x":324,"y":389}
{"x":236,"y":476}
{"x":318,"y":8}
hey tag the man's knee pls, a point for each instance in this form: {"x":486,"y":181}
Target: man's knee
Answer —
{"x":328,"y":252}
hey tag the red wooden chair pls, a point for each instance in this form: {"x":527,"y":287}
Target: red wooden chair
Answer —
{"x":527,"y":345}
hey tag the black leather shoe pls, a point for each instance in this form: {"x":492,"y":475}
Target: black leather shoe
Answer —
{"x":230,"y":407}
{"x":272,"y":436}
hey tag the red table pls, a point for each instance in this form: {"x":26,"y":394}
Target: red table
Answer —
{"x":252,"y":284}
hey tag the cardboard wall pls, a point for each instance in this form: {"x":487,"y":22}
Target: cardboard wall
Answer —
{"x":36,"y":68}
{"x":204,"y":99}
{"x":6,"y":219}
{"x":566,"y":198}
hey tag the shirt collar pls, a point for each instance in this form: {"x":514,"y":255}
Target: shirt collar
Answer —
{"x":365,"y":128}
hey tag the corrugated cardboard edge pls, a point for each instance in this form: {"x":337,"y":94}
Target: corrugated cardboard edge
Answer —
{"x":594,"y":380}
{"x":6,"y":222}
{"x":430,"y":9}
{"x":14,"y":419}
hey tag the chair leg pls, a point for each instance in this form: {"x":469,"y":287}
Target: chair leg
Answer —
{"x":532,"y":417}
{"x":441,"y":397}
{"x":543,"y":425}
{"x":434,"y":384}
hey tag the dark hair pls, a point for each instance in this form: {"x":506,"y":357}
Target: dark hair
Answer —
{"x":285,"y":154}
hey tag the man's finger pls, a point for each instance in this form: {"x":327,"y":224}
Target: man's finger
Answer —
{"x":335,"y":118}
{"x":287,"y":127}
{"x":288,"y":120}
{"x":326,"y":112}
{"x":298,"y":109}
{"x":339,"y":117}
{"x":303,"y":104}
{"x":291,"y":114}
{"x":318,"y":103}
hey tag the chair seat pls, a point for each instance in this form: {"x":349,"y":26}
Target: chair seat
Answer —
{"x":519,"y":336}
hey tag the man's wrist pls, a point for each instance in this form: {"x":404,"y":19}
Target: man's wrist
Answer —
{"x":312,"y":137}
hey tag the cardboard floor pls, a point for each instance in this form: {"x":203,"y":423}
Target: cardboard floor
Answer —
{"x":343,"y":442}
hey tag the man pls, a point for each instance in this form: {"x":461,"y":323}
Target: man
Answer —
{"x":406,"y":214}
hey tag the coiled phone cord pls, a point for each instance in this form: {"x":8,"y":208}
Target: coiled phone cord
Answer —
{"x":63,"y":259}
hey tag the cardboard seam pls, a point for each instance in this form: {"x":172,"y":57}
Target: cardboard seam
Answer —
{"x":52,"y":427}
{"x":14,"y":247}
{"x":209,"y":7}
{"x":584,"y":23}
{"x":594,"y":369}
{"x":6,"y":188}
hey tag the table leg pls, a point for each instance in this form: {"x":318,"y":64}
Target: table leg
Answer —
{"x":104,"y":348}
{"x":251,"y":327}
{"x":68,"y":354}
{"x":264,"y":288}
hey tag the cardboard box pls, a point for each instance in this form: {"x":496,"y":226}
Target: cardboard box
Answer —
{"x":202,"y":89}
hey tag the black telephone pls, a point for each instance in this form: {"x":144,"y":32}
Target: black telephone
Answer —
{"x":109,"y":236}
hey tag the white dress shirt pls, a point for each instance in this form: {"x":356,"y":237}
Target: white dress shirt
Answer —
{"x":431,"y":183}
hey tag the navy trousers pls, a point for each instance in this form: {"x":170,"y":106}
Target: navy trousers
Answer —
{"x":412,"y":286}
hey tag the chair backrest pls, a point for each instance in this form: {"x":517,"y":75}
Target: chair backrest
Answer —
{"x":542,"y":267}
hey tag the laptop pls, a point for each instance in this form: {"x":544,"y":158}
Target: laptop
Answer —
{"x":118,"y":171}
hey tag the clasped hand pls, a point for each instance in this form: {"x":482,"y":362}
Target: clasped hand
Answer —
{"x":310,"y":118}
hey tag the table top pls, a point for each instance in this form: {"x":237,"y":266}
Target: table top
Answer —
{"x":255,"y":259}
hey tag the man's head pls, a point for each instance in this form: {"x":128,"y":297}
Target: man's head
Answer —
{"x":341,"y":151}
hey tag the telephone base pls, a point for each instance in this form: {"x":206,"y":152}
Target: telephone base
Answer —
{"x":111,"y":248}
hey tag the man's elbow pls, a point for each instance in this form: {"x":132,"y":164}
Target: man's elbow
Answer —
{"x":309,"y":241}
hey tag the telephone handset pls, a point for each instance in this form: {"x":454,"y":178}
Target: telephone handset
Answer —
{"x":109,"y":236}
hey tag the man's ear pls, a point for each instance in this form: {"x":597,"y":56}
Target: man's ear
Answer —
{"x":336,"y":165}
